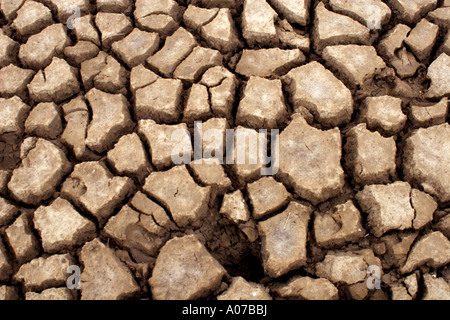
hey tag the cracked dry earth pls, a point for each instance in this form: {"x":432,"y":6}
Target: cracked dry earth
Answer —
{"x":89,"y":102}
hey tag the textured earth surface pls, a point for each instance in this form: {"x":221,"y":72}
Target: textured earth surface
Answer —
{"x":93,"y":92}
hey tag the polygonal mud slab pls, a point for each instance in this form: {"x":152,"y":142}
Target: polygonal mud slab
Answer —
{"x":313,"y":167}
{"x":197,"y":106}
{"x":411,"y":10}
{"x":388,"y":206}
{"x":111,"y":119}
{"x":411,"y":283}
{"x":9,"y":293}
{"x":444,"y":226}
{"x":340,"y":225}
{"x":346,"y":267}
{"x":212,"y":175}
{"x":397,"y":247}
{"x":64,"y":8}
{"x":31,"y":18}
{"x":85,"y":29}
{"x":93,"y":187}
{"x":438,"y":73}
{"x":56,"y":294}
{"x":104,"y":276}
{"x":316,"y":88}
{"x":284,"y":239}
{"x":240,"y":289}
{"x":82,"y":51}
{"x":425,"y":155}
{"x":221,"y":33}
{"x":235,"y":208}
{"x":373,"y":13}
{"x":258,"y":26}
{"x":195,"y":17}
{"x":196,"y":63}
{"x":42,"y":169}
{"x":91,"y":68}
{"x":141,"y":77}
{"x":24,"y":244}
{"x":262,"y":105}
{"x":159,"y":101}
{"x":393,"y":40}
{"x":268,"y":62}
{"x":248,"y":158}
{"x":44,"y":121}
{"x":266,"y":196}
{"x":436,"y":288}
{"x":5,"y":263}
{"x":56,"y":83}
{"x":128,"y":157}
{"x":43,"y":273}
{"x":384,"y":113}
{"x":370,"y":156}
{"x":13,"y":113}
{"x":424,"y":207}
{"x":440,"y":16}
{"x":146,"y":206}
{"x":185,"y":200}
{"x":8,"y":50}
{"x":136,"y":47}
{"x":357,"y":63}
{"x":295,"y":11}
{"x":148,"y":7}
{"x":422,"y":38}
{"x":405,"y":64}
{"x":7,"y":211}
{"x":163,"y":24}
{"x":38,"y":51}
{"x":222,"y":88}
{"x":185,"y":270}
{"x":110,"y":76}
{"x":433,"y":249}
{"x":76,"y":114}
{"x":290,"y":39}
{"x":399,"y":292}
{"x":331,"y":28}
{"x":61,"y":227}
{"x":307,"y":288}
